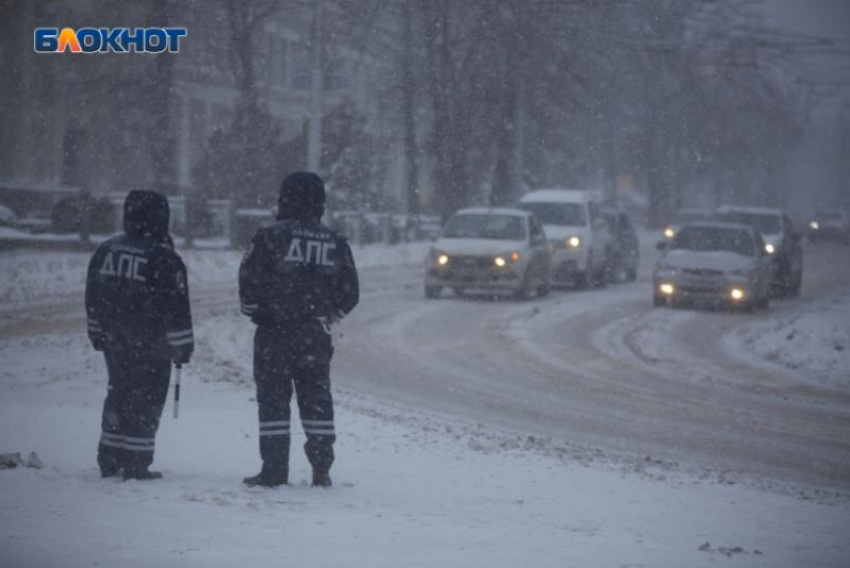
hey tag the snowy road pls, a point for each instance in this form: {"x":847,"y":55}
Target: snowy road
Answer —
{"x":597,"y":368}
{"x":602,"y":368}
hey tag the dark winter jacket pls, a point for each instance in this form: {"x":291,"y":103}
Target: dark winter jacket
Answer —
{"x":295,"y":271}
{"x":137,"y":297}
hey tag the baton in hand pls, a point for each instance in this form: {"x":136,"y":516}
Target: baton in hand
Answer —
{"x":177,"y":371}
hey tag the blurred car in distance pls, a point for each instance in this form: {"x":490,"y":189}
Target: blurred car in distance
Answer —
{"x":782,"y":243}
{"x":829,"y":226}
{"x":624,"y":252}
{"x":714,"y":263}
{"x":682,"y":217}
{"x":578,"y":233}
{"x":491,"y":249}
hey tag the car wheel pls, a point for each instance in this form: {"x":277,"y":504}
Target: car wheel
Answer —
{"x":631,"y":273}
{"x":600,"y":279}
{"x":459,"y":292}
{"x":581,"y":280}
{"x":659,"y":301}
{"x":433,"y":291}
{"x":543,"y":289}
{"x":794,"y":289}
{"x":780,"y":286}
{"x":764,"y":302}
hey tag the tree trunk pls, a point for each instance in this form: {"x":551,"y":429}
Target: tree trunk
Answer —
{"x":409,"y":118}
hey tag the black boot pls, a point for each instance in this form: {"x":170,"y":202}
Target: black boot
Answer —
{"x":110,"y":471}
{"x":266,"y":479}
{"x":321,"y":479}
{"x":141,"y":474}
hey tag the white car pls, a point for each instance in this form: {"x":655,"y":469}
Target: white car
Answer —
{"x":574,"y":222}
{"x":714,"y":262}
{"x":492,"y":249}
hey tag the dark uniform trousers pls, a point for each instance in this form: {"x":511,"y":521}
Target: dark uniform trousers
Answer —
{"x":294,"y":354}
{"x":138,"y":388}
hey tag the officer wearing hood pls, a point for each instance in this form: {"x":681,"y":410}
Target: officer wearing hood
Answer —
{"x":137,"y":303}
{"x":297,"y":279}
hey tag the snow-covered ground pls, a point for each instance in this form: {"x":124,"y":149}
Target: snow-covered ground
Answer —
{"x":412,"y":487}
{"x":812,"y":340}
{"x":27,"y":276}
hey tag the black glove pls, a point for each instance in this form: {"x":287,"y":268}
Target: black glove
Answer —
{"x":181,"y":355}
{"x":262,"y":317}
{"x":97,"y":341}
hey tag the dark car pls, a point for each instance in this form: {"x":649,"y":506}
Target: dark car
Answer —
{"x":683,"y":217}
{"x":624,"y":253}
{"x":830,"y":226}
{"x":782,"y":243}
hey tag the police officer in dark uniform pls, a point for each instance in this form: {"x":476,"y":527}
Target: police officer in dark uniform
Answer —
{"x":297,"y":279}
{"x":137,"y":303}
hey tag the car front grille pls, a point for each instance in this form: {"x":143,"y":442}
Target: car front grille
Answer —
{"x":699,"y":289}
{"x":702,"y":272}
{"x":463,"y":263}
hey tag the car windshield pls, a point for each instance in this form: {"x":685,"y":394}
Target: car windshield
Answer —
{"x":570,"y":214}
{"x":705,"y":239}
{"x":829,"y":215}
{"x":498,"y":227}
{"x":683,"y":217}
{"x":765,"y":223}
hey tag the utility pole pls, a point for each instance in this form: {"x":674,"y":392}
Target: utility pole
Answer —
{"x":314,"y":140}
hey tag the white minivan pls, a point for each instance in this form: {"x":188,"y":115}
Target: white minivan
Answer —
{"x":577,"y":231}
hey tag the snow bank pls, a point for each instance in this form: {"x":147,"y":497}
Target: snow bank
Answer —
{"x":813,"y":339}
{"x":28,"y":276}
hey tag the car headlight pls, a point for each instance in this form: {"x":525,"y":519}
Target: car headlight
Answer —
{"x":502,"y":259}
{"x":439,"y":258}
{"x":573,"y":242}
{"x":814,"y":225}
{"x":769,"y":248}
{"x":737,"y":294}
{"x":667,"y":289}
{"x":669,"y":233}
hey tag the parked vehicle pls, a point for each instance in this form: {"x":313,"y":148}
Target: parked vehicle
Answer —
{"x":682,"y":217}
{"x":577,"y":230}
{"x":714,"y":262}
{"x":782,"y":243}
{"x":829,"y":226}
{"x":624,"y":250}
{"x":493,"y":249}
